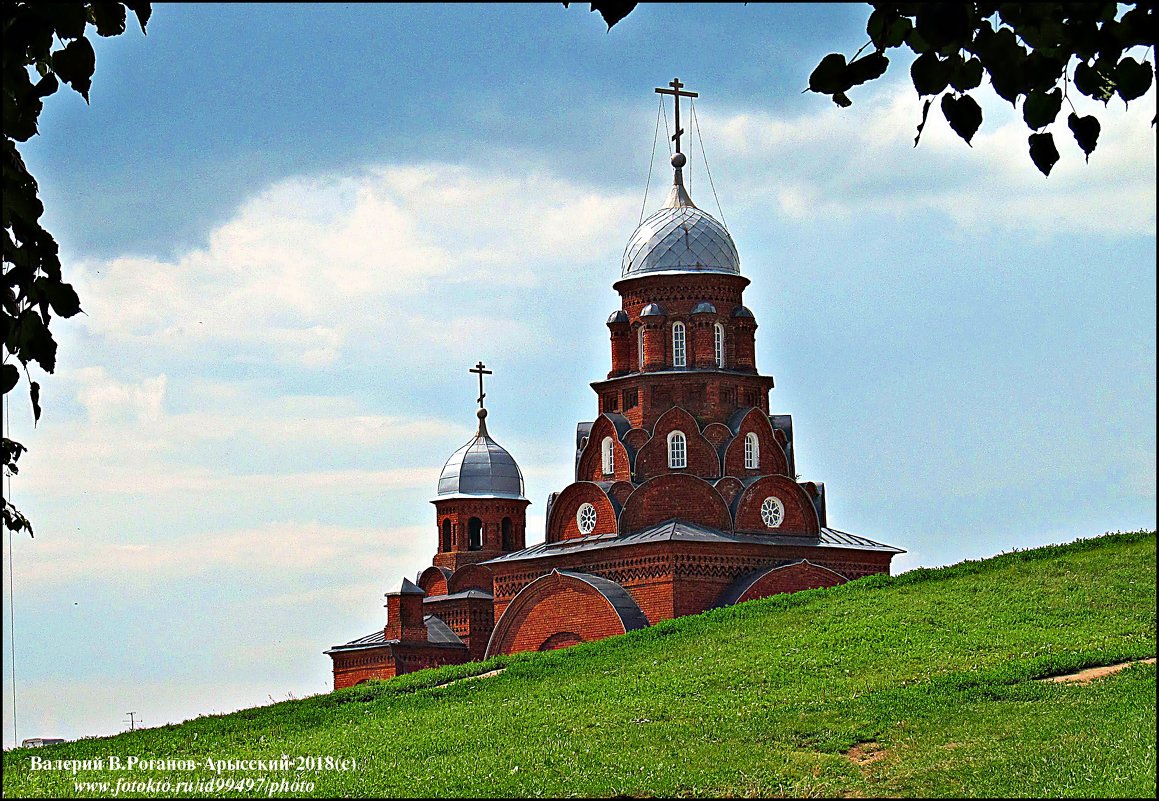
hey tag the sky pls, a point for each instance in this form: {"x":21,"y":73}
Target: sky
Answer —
{"x":294,"y":228}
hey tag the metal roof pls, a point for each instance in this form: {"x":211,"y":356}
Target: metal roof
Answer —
{"x":677,"y":531}
{"x":481,"y":469}
{"x":680,"y":238}
{"x":459,"y":596}
{"x":438,"y":633}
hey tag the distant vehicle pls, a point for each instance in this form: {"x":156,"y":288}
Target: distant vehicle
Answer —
{"x":36,"y":742}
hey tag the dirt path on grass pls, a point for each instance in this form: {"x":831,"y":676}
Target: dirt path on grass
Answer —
{"x":1090,"y":674}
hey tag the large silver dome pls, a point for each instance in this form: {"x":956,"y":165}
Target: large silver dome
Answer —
{"x":481,"y":469}
{"x":680,"y":238}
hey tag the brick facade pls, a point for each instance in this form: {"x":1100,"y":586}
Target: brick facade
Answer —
{"x":684,"y":495}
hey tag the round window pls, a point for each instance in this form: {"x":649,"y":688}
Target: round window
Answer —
{"x":772,"y":512}
{"x":586,"y":518}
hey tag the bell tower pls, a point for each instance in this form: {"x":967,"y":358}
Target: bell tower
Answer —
{"x":480,"y":509}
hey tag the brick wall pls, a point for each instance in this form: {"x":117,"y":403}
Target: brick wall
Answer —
{"x":678,"y":496}
{"x":800,"y":514}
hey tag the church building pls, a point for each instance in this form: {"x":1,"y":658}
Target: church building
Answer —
{"x":686,"y":495}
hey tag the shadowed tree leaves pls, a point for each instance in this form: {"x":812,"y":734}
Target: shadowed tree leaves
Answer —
{"x":1043,"y":152}
{"x":922,"y":124}
{"x":33,"y":289}
{"x":1040,"y":108}
{"x":611,"y":12}
{"x":1026,"y":50}
{"x":75,"y":64}
{"x":963,"y":114}
{"x":1132,"y":79}
{"x":834,"y":77}
{"x":1086,"y":132}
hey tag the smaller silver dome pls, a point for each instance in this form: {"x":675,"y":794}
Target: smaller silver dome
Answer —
{"x":742,"y":311}
{"x":618,"y":316}
{"x":482,"y":469}
{"x":653,"y":310}
{"x":704,"y":307}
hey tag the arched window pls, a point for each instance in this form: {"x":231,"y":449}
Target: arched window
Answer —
{"x":677,"y":450}
{"x":474,"y":534}
{"x":446,"y":533}
{"x":640,"y":348}
{"x":508,"y":535}
{"x":679,"y":353}
{"x":752,"y":451}
{"x":718,"y":344}
{"x":609,"y":456}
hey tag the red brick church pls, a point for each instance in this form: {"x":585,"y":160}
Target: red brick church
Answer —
{"x":685,"y":496}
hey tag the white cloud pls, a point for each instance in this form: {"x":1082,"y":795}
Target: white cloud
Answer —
{"x":315,"y":266}
{"x":289,"y":549}
{"x":861,"y":159}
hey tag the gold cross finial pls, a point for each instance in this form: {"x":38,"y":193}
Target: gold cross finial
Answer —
{"x":676,"y":95}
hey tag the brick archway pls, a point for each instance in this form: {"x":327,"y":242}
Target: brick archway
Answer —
{"x":802,"y":575}
{"x":552,"y":610}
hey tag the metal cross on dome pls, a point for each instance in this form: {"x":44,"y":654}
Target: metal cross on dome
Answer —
{"x":478,"y":368}
{"x":676,"y":95}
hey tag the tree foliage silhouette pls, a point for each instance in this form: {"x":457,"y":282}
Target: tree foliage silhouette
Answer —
{"x":1030,"y":52}
{"x":45,"y":41}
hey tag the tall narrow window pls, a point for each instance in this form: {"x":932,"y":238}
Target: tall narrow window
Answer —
{"x":718,"y":343}
{"x":609,"y":455}
{"x":446,"y":534}
{"x":677,"y":450}
{"x":752,"y":451}
{"x":679,"y":354}
{"x":640,"y":348}
{"x":508,"y":535}
{"x":474,"y":534}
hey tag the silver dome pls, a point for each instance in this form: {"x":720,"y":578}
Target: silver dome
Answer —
{"x":704,"y":307}
{"x":618,"y":316}
{"x":680,"y":238}
{"x":481,"y":469}
{"x":653,"y":310}
{"x":742,"y":311}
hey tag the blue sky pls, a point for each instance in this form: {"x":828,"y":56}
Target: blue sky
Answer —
{"x":293,"y":229}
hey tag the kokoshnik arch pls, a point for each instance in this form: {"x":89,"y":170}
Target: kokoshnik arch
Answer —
{"x":685,"y":495}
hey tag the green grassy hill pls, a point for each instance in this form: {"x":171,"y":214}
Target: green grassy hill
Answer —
{"x":919,"y":685}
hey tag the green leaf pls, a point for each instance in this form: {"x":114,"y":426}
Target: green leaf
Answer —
{"x":867,"y":68}
{"x":830,"y":76}
{"x":1043,"y":152}
{"x":9,"y":377}
{"x":967,"y":75}
{"x":1132,"y":79}
{"x":930,"y":75}
{"x":109,"y":18}
{"x":1040,"y":108}
{"x":1086,"y":132}
{"x":964,"y":115}
{"x":75,"y":64}
{"x":922,"y":124}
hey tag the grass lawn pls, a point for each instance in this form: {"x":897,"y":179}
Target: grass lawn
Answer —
{"x":918,"y":685}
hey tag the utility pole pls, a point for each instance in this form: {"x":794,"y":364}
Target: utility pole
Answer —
{"x":132,"y":721}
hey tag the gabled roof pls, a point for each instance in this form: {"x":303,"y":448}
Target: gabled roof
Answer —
{"x":677,"y":531}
